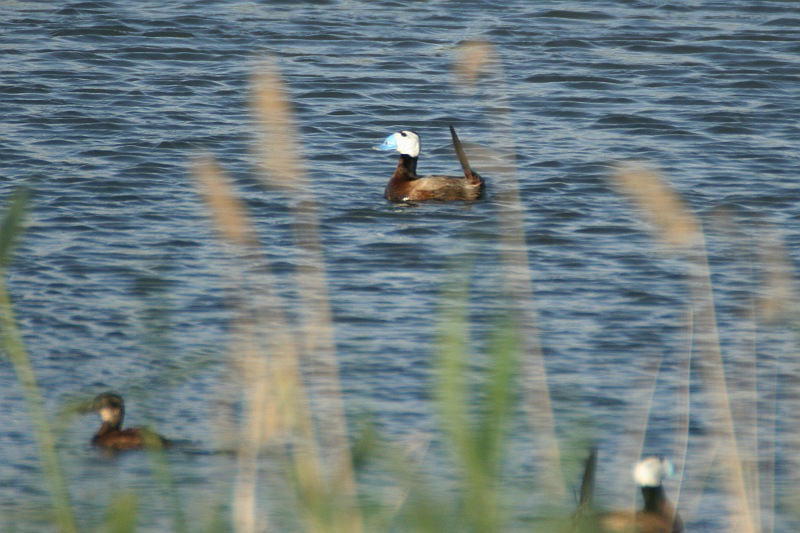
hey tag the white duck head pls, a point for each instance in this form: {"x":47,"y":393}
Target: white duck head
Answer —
{"x":651,"y":471}
{"x":406,"y":142}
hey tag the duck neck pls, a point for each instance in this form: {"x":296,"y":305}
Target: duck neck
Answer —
{"x":109,"y":427}
{"x":406,"y":168}
{"x":655,"y":501}
{"x":654,"y":498}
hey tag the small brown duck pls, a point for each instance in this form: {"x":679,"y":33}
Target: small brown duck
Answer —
{"x":657,"y":516}
{"x":406,"y":186}
{"x":111,"y":436}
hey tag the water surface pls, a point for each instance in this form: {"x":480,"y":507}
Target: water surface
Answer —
{"x":120,"y":282}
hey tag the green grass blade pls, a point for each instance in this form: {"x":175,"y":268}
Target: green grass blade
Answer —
{"x":122,"y":512}
{"x":11,"y":224}
{"x":15,"y":350}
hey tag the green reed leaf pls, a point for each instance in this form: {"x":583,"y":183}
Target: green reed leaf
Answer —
{"x":14,"y":348}
{"x":10,"y":226}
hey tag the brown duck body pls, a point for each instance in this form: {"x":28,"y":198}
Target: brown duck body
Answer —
{"x":128,"y":439}
{"x":639,"y":522}
{"x":406,"y":186}
{"x":657,"y":516}
{"x":111,"y":436}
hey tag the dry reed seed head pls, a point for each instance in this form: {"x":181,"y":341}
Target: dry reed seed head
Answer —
{"x":227,"y":210}
{"x":474,"y":59}
{"x":659,"y":203}
{"x":273,"y":108}
{"x":777,"y":297}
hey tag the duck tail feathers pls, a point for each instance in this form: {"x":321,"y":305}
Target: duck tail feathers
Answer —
{"x":471,"y":176}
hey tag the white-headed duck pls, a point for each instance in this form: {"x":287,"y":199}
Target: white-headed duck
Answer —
{"x":406,"y":186}
{"x":657,"y":515}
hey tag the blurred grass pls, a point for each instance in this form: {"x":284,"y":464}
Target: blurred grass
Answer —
{"x":14,"y":349}
{"x":323,"y":480}
{"x":476,"y":421}
{"x":478,"y":66}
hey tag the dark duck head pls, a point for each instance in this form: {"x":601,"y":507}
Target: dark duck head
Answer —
{"x":406,"y":186}
{"x":656,"y":516}
{"x":111,"y":436}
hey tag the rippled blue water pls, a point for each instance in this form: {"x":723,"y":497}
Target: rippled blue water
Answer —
{"x":102,"y":104}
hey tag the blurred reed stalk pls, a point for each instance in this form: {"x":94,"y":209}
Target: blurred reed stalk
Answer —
{"x":479,"y":61}
{"x":745,"y":383}
{"x":231,"y":223}
{"x":777,"y":303}
{"x":276,"y":396}
{"x":15,"y":350}
{"x":282,"y":166}
{"x":476,"y":418}
{"x":682,"y":409}
{"x":634,"y":447}
{"x":264,"y":415}
{"x":681,"y":232}
{"x":778,"y":297}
